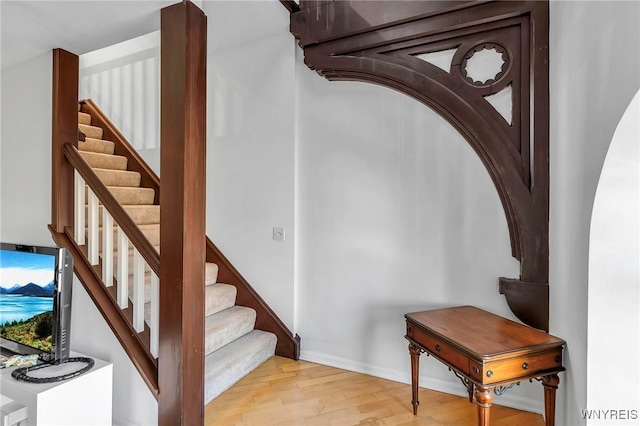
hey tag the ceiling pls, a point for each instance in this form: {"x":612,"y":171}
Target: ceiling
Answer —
{"x":32,"y":28}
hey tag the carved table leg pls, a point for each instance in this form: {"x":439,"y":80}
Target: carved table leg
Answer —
{"x":484,"y":398}
{"x":550,"y":384}
{"x":415,"y":352}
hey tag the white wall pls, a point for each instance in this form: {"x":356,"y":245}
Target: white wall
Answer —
{"x":25,"y":170}
{"x":397,"y":214}
{"x":250,"y":147}
{"x":594,"y":73}
{"x":25,"y":152}
{"x":614,"y":277}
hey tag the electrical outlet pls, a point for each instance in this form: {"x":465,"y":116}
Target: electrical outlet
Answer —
{"x":278,"y":233}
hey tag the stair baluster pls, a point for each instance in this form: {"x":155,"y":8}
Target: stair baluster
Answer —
{"x":154,"y":321}
{"x":107,"y":247}
{"x":138,"y":291}
{"x":79,"y":193}
{"x":92,"y":221}
{"x":123,"y":268}
{"x":132,"y":280}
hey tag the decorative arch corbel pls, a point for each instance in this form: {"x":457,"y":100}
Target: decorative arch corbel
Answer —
{"x":492,"y":50}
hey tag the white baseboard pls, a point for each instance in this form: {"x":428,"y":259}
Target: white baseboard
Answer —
{"x":453,"y":386}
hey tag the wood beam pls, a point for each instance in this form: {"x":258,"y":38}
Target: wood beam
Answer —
{"x":64,"y":128}
{"x":382,"y":43}
{"x":182,"y":218}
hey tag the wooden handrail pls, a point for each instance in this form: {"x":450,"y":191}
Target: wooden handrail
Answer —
{"x":114,"y":208}
{"x":291,"y":5}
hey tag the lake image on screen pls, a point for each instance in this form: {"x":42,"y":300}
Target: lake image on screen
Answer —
{"x":26,"y":298}
{"x":22,"y":308}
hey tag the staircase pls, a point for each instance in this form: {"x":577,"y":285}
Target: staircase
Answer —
{"x":233,"y":346}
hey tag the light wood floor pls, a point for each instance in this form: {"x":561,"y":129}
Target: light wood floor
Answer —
{"x":287,"y":392}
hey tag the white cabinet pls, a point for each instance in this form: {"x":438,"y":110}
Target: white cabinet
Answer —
{"x":85,"y":400}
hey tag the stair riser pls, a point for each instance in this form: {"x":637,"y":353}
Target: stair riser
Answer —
{"x":219,"y":297}
{"x":150,"y":231}
{"x":91,"y":131}
{"x":84,"y":118}
{"x":144,"y":214}
{"x":129,"y":196}
{"x":96,"y":145}
{"x":227,"y":326}
{"x":139,"y":216}
{"x":118,"y":178}
{"x":104,"y":161}
{"x":229,"y":364}
{"x":211,"y":275}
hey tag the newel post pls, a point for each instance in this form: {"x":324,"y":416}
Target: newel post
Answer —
{"x":64,"y":128}
{"x":182,"y":218}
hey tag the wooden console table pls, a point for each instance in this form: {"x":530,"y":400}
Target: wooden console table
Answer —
{"x":486,"y":352}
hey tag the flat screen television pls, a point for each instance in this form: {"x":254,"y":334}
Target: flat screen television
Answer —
{"x":35,"y":301}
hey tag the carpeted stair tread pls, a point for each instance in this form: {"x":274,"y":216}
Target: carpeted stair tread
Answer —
{"x":84,"y":118}
{"x":97,"y":145}
{"x":91,"y":131}
{"x":104,"y":161}
{"x":210,"y":273}
{"x":118,"y":177}
{"x":127,"y":195}
{"x":226,"y":326}
{"x":151,"y":231}
{"x":218,"y":297}
{"x":230,"y":363}
{"x":143,"y":213}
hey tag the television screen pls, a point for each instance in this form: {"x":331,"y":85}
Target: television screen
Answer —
{"x":35,"y":301}
{"x":27,"y":290}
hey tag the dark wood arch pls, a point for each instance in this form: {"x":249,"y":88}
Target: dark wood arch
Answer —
{"x":381,"y":42}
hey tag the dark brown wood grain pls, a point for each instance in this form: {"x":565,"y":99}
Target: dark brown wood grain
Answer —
{"x":183,"y":62}
{"x":485,"y":351}
{"x":550,"y":384}
{"x":486,"y":336}
{"x":64,"y":128}
{"x":291,"y":5}
{"x":377,"y":42}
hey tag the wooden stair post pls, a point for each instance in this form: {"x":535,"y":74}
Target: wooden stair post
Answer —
{"x":64,"y":128}
{"x":182,"y":214}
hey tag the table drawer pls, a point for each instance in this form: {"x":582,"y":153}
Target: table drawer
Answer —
{"x":441,"y":350}
{"x":511,"y":369}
